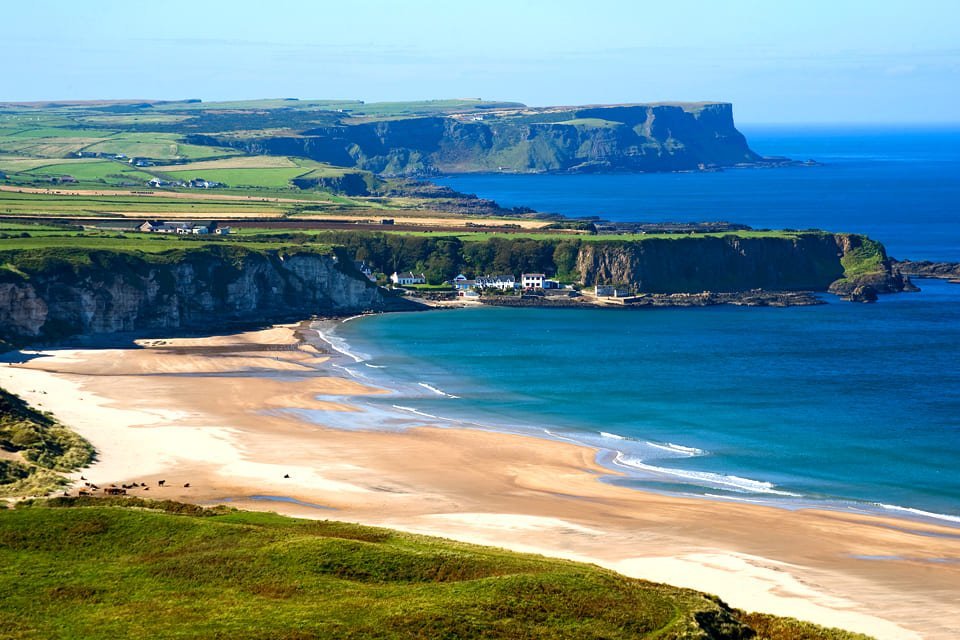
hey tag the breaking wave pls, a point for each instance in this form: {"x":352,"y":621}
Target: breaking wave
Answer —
{"x":439,"y":392}
{"x":730,"y":483}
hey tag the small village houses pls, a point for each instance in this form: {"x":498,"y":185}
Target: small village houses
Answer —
{"x":501,"y":282}
{"x":183,"y":228}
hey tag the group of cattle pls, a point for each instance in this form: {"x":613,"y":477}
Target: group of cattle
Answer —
{"x":114,"y":490}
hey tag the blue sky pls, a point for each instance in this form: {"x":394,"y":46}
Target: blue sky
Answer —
{"x":777,"y":61}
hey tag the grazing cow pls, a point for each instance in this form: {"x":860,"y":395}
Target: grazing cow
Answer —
{"x":114,"y":491}
{"x":82,"y":478}
{"x":162,"y":482}
{"x":186,"y":486}
{"x":83,"y":493}
{"x":286,"y":475}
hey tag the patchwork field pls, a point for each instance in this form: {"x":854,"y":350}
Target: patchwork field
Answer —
{"x":74,"y":160}
{"x":261,"y":171}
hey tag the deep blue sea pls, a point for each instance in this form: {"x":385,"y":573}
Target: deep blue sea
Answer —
{"x":899,"y":186}
{"x":844,"y":405}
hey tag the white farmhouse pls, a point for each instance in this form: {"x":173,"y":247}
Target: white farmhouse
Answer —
{"x":407,"y":277}
{"x":532,"y":280}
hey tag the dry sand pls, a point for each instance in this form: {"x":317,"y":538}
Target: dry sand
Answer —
{"x":220,"y":429}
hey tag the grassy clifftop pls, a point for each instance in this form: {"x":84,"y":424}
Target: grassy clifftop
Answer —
{"x":105,"y":572}
{"x":37,"y":254}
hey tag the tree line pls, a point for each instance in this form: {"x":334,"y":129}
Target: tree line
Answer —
{"x":442,"y":258}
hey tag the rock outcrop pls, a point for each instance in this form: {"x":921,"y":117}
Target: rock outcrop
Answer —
{"x":55,"y":296}
{"x":926,"y":269}
{"x":689,"y":264}
{"x":657,"y":137}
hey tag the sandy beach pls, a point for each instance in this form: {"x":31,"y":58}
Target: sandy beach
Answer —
{"x":212,"y":412}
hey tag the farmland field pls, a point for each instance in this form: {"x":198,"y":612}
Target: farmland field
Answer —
{"x":160,"y":146}
{"x":45,"y":147}
{"x":123,"y":120}
{"x":262,"y":178}
{"x":243,"y":162}
{"x":15,"y":164}
{"x":92,"y":171}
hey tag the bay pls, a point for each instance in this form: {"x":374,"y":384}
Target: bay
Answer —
{"x":853,"y":406}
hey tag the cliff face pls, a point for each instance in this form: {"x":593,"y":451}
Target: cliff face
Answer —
{"x":812,"y":262}
{"x":614,"y":138}
{"x":46,"y":295}
{"x":116,"y":292}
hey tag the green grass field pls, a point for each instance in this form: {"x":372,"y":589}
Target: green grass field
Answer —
{"x":263,"y":172}
{"x":36,"y":137}
{"x":86,"y":569}
{"x":157,"y":146}
{"x":44,"y":205}
{"x":151,"y":243}
{"x":149,"y":145}
{"x":132,"y":119}
{"x":45,"y":147}
{"x":254,"y":178}
{"x":51,"y":132}
{"x":261,"y":202}
{"x":19,"y":164}
{"x":101,"y":171}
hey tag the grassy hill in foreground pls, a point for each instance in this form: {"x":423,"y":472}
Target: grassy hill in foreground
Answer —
{"x":100,"y":569}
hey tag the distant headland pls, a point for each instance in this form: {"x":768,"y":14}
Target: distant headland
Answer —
{"x":440,"y":136}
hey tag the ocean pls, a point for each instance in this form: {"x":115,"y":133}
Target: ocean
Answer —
{"x":842,"y":405}
{"x":899,"y":186}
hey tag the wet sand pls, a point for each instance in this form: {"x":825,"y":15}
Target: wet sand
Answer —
{"x":209,"y":412}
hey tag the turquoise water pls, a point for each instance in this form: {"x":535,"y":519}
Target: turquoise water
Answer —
{"x":854,"y":406}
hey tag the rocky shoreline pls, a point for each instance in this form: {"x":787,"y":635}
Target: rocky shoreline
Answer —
{"x":927,"y":269}
{"x":705,"y":299}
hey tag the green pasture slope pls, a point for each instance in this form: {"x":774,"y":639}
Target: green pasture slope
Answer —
{"x":267,"y":178}
{"x":128,"y":568}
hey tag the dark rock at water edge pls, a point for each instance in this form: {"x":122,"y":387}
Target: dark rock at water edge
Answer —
{"x":705,"y":299}
{"x":927,"y":269}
